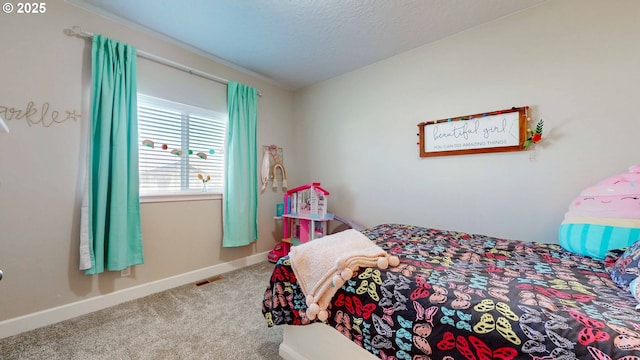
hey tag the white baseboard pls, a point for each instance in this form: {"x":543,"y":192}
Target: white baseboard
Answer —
{"x":50,"y":316}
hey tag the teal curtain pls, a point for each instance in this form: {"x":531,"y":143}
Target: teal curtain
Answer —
{"x":240,"y":208}
{"x":115,"y":237}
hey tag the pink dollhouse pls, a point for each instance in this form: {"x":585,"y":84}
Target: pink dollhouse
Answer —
{"x":305,"y":213}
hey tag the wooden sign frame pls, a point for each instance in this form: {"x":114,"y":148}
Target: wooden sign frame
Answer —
{"x":496,"y":131}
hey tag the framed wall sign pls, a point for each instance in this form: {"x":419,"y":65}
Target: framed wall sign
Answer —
{"x":496,"y":131}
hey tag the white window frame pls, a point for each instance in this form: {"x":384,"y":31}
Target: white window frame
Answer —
{"x":187,"y":112}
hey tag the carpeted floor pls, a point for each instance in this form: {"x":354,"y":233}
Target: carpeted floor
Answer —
{"x":219,"y":320}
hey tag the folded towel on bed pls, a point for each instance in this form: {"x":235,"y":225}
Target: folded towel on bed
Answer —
{"x":323,"y":265}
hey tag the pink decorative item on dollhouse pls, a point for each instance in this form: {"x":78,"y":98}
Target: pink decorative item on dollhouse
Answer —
{"x":305,"y":213}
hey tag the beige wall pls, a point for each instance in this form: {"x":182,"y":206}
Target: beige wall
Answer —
{"x":41,"y":168}
{"x":574,"y":62}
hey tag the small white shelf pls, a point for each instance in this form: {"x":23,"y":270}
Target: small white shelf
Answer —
{"x":327,"y":217}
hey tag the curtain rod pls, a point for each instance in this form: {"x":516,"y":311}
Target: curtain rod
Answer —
{"x":78,"y":31}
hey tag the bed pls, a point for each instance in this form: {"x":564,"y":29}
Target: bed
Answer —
{"x":463,"y":296}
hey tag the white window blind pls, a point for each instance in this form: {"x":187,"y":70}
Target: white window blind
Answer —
{"x":196,"y":132}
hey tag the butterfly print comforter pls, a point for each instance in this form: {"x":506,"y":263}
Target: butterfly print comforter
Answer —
{"x":465,"y":296}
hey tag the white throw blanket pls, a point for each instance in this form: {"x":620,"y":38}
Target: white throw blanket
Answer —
{"x":323,"y":265}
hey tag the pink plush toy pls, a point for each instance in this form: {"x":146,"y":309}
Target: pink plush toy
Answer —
{"x":616,"y":197}
{"x":605,"y":216}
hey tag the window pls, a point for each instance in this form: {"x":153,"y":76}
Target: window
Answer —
{"x":178,"y":142}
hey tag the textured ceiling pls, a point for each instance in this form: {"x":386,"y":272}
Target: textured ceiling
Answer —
{"x":298,"y":43}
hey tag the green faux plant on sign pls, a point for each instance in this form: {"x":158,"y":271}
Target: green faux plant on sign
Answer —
{"x":536,"y":136}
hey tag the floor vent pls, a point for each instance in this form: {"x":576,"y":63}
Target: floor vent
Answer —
{"x":209,"y":280}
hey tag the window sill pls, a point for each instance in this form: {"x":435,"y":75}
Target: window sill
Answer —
{"x":171,"y":197}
